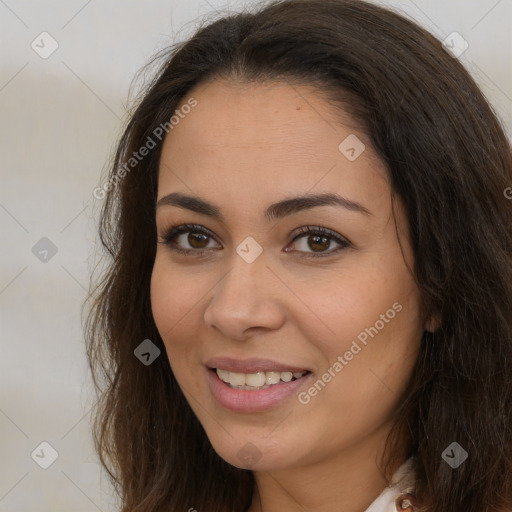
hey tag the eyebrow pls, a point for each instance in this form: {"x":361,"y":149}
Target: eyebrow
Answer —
{"x":274,"y":211}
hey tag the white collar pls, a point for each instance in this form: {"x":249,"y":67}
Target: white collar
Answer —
{"x":401,"y":483}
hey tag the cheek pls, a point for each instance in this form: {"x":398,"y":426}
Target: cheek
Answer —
{"x":377,"y":352}
{"x":371,"y":318}
{"x":175,"y":308}
{"x":174,"y":299}
{"x":347,"y":303}
{"x":163,"y":301}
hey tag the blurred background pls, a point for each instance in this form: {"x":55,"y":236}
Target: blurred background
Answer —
{"x":65,"y":75}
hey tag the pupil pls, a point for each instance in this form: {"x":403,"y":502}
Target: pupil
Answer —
{"x":193,"y":238}
{"x":318,"y":241}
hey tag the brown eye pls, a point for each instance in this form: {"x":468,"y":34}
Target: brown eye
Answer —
{"x":187,"y":238}
{"x":197,"y":240}
{"x":317,"y":241}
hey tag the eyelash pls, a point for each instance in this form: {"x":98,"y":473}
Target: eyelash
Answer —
{"x":172,"y":233}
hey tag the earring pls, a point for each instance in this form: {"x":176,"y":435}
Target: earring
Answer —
{"x":406,"y":503}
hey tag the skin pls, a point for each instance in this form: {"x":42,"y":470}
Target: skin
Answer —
{"x":243,"y":147}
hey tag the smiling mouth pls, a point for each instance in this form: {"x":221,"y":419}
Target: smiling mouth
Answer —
{"x":258,"y":380}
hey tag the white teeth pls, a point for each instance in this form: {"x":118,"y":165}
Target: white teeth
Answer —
{"x":255,"y":380}
{"x":237,"y":379}
{"x":286,"y":376}
{"x":223,"y":375}
{"x":258,"y":380}
{"x":272,"y":377}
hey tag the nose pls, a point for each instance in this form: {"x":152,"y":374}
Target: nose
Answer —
{"x":245,"y":300}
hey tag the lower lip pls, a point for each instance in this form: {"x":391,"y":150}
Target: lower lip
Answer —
{"x":242,"y":400}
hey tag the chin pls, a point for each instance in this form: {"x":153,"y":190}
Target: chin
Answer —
{"x":255,"y":453}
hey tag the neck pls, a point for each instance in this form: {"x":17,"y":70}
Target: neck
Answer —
{"x":348,"y":481}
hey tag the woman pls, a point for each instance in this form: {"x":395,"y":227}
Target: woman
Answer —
{"x":308,"y":303}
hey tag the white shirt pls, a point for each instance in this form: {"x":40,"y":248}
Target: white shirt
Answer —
{"x":401,"y":483}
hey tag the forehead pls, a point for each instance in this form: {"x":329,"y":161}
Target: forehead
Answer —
{"x":247,"y":140}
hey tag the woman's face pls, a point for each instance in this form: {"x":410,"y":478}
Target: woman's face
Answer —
{"x":253,"y":294}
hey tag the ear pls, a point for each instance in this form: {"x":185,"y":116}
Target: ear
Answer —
{"x":433,"y":323}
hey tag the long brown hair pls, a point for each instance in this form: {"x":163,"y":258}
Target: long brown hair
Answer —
{"x":449,"y":162}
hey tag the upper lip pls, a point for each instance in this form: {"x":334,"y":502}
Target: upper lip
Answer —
{"x":252,"y":365}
